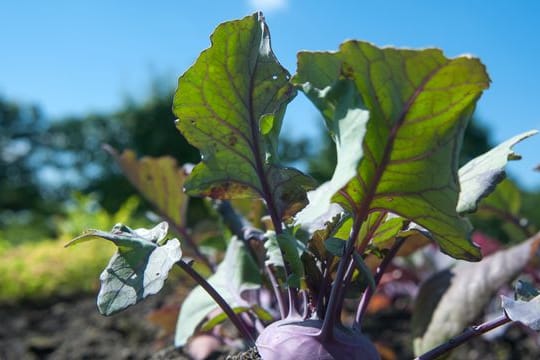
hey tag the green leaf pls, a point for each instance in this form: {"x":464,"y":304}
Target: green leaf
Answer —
{"x":159,"y":180}
{"x":292,"y":250}
{"x":230,"y":105}
{"x":526,"y":312}
{"x":221,"y":317}
{"x":364,"y":270}
{"x":261,"y":313}
{"x":335,"y":246}
{"x":419,"y":103}
{"x":479,"y":177}
{"x":138,"y":269}
{"x":345,"y":117}
{"x":383,"y":227}
{"x":235,"y":274}
{"x":504,"y":206}
{"x":505,"y":200}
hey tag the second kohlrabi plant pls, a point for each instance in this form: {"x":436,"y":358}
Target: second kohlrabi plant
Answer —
{"x":397,"y":118}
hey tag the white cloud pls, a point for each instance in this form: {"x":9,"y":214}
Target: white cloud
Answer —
{"x":268,"y":5}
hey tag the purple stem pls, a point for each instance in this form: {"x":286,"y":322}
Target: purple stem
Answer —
{"x":381,"y":269}
{"x":189,"y":240}
{"x":277,"y":291}
{"x":463,"y":337}
{"x":329,"y":321}
{"x":322,"y":290}
{"x":240,"y":227}
{"x":236,"y":320}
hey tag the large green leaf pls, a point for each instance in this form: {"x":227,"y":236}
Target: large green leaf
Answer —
{"x":230,"y":105}
{"x":479,"y":177}
{"x":234,"y":275}
{"x":138,"y":269}
{"x":419,"y":103}
{"x":159,"y":180}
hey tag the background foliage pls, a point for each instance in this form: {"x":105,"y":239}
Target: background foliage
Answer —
{"x":55,"y":181}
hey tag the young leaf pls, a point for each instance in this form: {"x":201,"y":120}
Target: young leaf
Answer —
{"x":363,"y":269}
{"x":230,"y":105}
{"x":419,"y":103}
{"x":138,"y":269}
{"x":159,"y":180}
{"x":292,"y":249}
{"x":453,"y":298}
{"x":479,"y":177}
{"x":526,"y":312}
{"x":335,"y":246}
{"x":235,"y":274}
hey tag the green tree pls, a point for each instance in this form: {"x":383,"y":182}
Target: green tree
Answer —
{"x":75,"y":144}
{"x":21,"y":126}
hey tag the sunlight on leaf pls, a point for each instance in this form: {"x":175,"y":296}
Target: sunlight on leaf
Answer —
{"x":345,"y":117}
{"x":230,"y":106}
{"x":419,"y":103}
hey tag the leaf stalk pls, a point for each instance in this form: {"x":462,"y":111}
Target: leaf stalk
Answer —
{"x":381,"y":269}
{"x":235,"y":319}
{"x":464,"y":337}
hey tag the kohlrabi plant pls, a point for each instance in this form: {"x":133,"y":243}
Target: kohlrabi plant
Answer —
{"x":397,"y":117}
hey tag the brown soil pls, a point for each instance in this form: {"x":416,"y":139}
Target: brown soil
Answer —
{"x":73,"y":329}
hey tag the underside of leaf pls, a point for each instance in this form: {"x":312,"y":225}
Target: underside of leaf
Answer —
{"x":139,"y":267}
{"x":479,"y":176}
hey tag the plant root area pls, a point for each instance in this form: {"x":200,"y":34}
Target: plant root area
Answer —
{"x":72,"y":328}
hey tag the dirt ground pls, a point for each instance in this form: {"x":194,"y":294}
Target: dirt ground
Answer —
{"x":73,"y":329}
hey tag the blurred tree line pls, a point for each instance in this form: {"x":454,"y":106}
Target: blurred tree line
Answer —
{"x":43,"y":161}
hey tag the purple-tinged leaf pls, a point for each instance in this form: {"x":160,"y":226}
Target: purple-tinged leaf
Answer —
{"x":419,"y":103}
{"x":230,"y":105}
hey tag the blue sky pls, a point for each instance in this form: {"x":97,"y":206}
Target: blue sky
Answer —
{"x":71,"y":57}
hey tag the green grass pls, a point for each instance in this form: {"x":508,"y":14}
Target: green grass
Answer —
{"x":37,"y":269}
